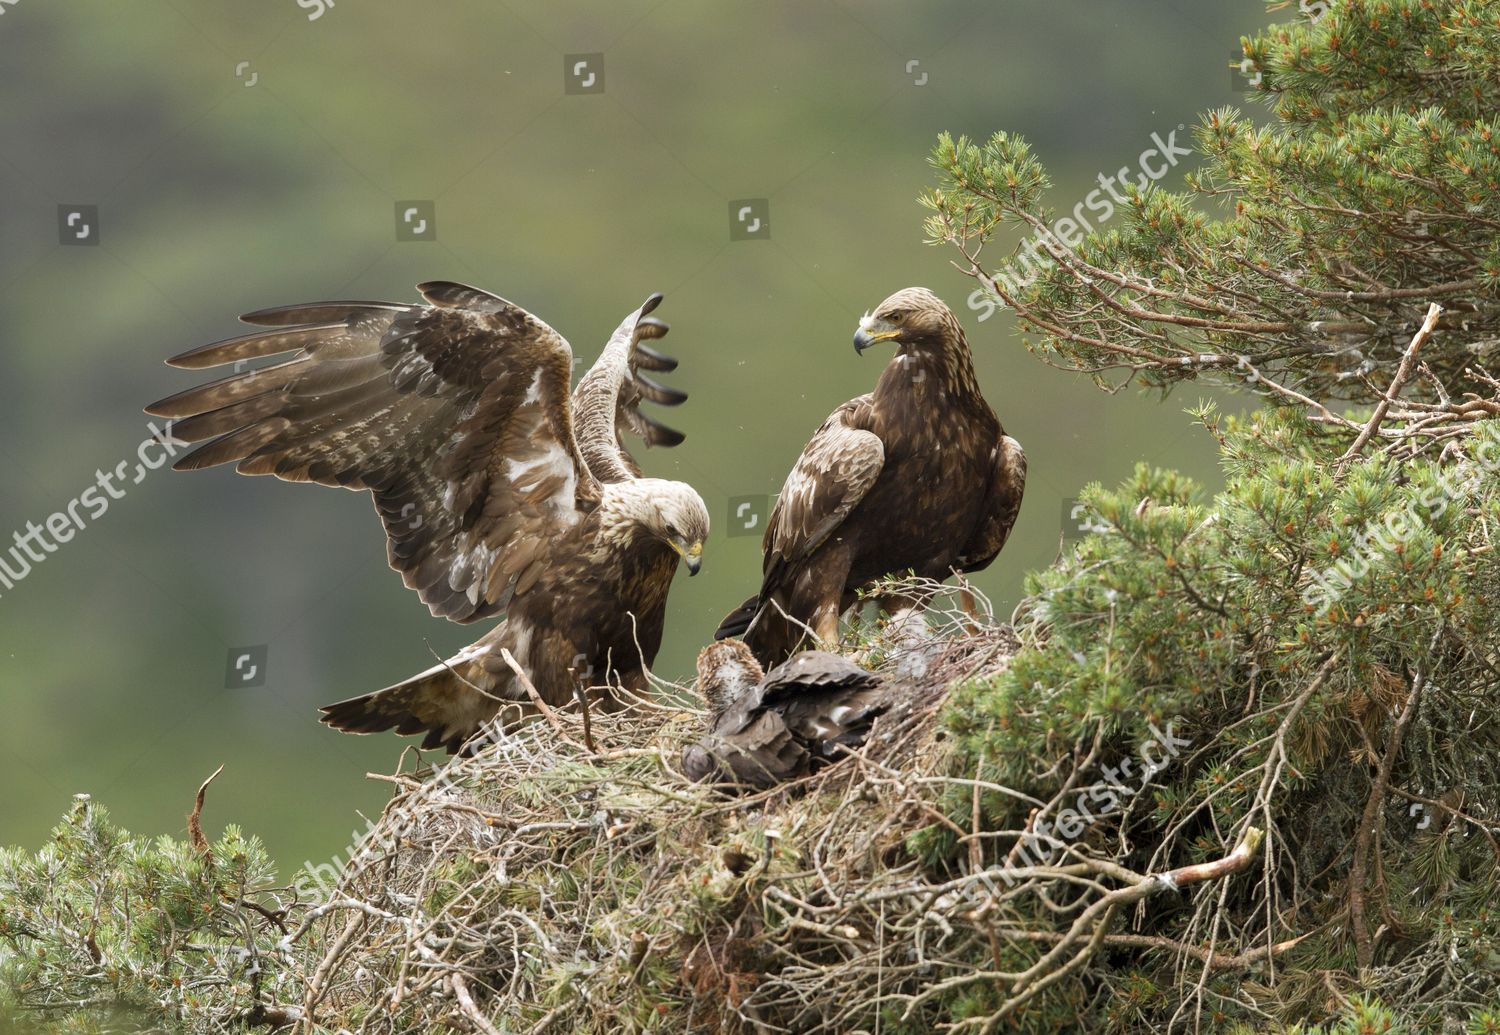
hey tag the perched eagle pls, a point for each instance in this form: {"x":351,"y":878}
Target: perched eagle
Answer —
{"x":918,"y":475}
{"x":770,"y":728}
{"x":500,"y":495}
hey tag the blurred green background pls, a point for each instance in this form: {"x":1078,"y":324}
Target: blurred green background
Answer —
{"x":216,"y":197}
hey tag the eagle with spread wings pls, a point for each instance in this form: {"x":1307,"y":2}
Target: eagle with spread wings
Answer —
{"x":501,"y":494}
{"x":916,"y":476}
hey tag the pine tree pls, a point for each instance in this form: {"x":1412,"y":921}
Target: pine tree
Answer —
{"x":1242,"y":775}
{"x":1322,"y":632}
{"x":101,"y":931}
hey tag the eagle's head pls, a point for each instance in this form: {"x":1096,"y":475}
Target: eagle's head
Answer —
{"x":670,"y":511}
{"x":726,"y":670}
{"x":913,"y":317}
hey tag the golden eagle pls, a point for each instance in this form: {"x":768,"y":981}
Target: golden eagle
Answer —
{"x":769,"y":728}
{"x":500,"y":495}
{"x":918,"y":475}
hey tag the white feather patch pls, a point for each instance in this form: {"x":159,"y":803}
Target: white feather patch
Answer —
{"x":534,"y":392}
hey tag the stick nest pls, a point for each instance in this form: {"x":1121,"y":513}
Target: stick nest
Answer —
{"x":544,"y":885}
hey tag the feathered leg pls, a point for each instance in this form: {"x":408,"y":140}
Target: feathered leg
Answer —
{"x":806,"y":606}
{"x":970,"y":607}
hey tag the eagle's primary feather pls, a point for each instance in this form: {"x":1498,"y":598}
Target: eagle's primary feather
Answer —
{"x":500,"y":493}
{"x":918,"y":475}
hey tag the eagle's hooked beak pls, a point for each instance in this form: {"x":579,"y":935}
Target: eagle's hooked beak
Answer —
{"x":692,"y":555}
{"x":872,"y":332}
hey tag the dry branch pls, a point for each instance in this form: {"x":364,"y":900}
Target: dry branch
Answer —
{"x":194,"y":820}
{"x":1403,"y":374}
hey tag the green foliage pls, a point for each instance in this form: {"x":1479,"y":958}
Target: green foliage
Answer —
{"x":1209,"y":618}
{"x":1322,"y":632}
{"x":1304,"y":251}
{"x":102,"y":931}
{"x":1179,"y":599}
{"x":1310,"y":653}
{"x":1361,"y":1017}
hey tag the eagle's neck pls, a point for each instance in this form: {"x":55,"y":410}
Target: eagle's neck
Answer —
{"x":626,"y":514}
{"x":945,"y":370}
{"x":637,"y":564}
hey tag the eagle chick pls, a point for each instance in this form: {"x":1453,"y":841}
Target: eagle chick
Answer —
{"x":799,"y":717}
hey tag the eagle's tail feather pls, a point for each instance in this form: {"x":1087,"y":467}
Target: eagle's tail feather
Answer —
{"x":737,"y":622}
{"x":436,"y":702}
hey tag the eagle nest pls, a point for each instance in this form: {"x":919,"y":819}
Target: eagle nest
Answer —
{"x":568,"y":877}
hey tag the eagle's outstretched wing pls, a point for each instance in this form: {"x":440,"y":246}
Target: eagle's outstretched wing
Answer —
{"x":607,"y":401}
{"x":455,"y":415}
{"x":831,"y":476}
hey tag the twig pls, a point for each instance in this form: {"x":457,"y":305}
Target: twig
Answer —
{"x":467,"y":1005}
{"x":317,"y":986}
{"x":1092,"y":924}
{"x":1216,"y":961}
{"x":812,"y":634}
{"x":1235,"y":861}
{"x":583,"y":709}
{"x":1486,"y":829}
{"x":1403,"y":373}
{"x":1370,"y":822}
{"x":194,"y":820}
{"x":531,"y":692}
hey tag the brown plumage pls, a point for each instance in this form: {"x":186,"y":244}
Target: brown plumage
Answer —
{"x":918,"y":475}
{"x":499,"y":493}
{"x":768,"y":729}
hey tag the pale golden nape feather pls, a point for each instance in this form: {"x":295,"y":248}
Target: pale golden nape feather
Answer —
{"x":671,"y":511}
{"x":919,"y":312}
